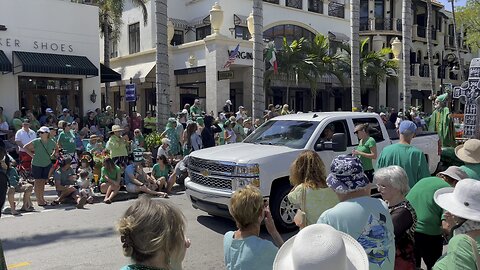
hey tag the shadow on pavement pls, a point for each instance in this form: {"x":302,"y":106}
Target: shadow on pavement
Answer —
{"x":217,"y":224}
{"x":58,"y":236}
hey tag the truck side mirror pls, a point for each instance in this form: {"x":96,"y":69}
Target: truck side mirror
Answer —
{"x":339,"y":142}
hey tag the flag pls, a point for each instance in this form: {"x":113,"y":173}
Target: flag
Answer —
{"x":232,"y":57}
{"x":271,"y":57}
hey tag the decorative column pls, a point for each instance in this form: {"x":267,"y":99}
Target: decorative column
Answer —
{"x":216,"y":18}
{"x":216,"y":55}
{"x":258,"y":91}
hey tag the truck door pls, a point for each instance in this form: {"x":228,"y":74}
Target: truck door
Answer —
{"x":376,"y":132}
{"x":332,"y":127}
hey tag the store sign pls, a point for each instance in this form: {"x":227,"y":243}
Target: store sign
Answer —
{"x":242,"y":55}
{"x":130,"y":93}
{"x":225,"y":75}
{"x":187,"y":71}
{"x":35,"y":45}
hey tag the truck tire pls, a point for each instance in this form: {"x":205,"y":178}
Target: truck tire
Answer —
{"x":282,"y":210}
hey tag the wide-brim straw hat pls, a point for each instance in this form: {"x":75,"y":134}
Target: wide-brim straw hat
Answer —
{"x":469,"y":152}
{"x":462,"y":201}
{"x":116,"y":128}
{"x":320,"y":246}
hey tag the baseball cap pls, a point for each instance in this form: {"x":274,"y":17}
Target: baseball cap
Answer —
{"x":65,"y":110}
{"x":26,"y":121}
{"x":49,"y":110}
{"x":44,"y":129}
{"x":407,"y":126}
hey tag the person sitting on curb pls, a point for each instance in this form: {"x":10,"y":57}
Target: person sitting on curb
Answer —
{"x":18,"y":186}
{"x":321,"y":247}
{"x":110,"y":180}
{"x":469,"y":153}
{"x":84,"y":184}
{"x":243,"y":248}
{"x":65,"y":180}
{"x":136,"y":180}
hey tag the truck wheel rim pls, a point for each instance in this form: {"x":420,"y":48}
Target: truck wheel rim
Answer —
{"x":287,"y":210}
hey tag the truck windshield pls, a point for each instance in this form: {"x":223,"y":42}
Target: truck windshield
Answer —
{"x":290,"y":133}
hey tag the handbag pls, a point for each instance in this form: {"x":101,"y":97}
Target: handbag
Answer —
{"x":300,"y":218}
{"x":475,"y":251}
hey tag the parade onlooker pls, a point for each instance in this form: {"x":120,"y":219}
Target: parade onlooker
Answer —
{"x":208,"y":133}
{"x":392,"y":182}
{"x":117,"y":146}
{"x":153,"y":235}
{"x":65,"y":184}
{"x":270,"y":113}
{"x":135,"y":121}
{"x":91,"y":120}
{"x":238,"y":129}
{"x":193,"y":141}
{"x":34,"y":123}
{"x":195,"y":109}
{"x":3,"y":118}
{"x":364,"y":218}
{"x":310,"y":192}
{"x":110,"y":180}
{"x":428,"y":232}
{"x":171,"y":133}
{"x":18,"y":186}
{"x":164,"y":149}
{"x":66,"y":141}
{"x":321,"y":247}
{"x":366,"y":150}
{"x":149,"y":123}
{"x":247,"y":127}
{"x":470,"y":154}
{"x":138,"y":141}
{"x":230,"y":136}
{"x":285,"y":110}
{"x":228,"y":108}
{"x":22,"y":137}
{"x":161,"y":171}
{"x":402,"y":154}
{"x":84,"y":184}
{"x":121,"y":120}
{"x":4,"y":127}
{"x":242,"y":113}
{"x":201,"y":124}
{"x":136,"y":180}
{"x":94,"y":145}
{"x":43,"y":151}
{"x":17,"y":120}
{"x":243,"y":248}
{"x":66,"y":116}
{"x":3,"y":188}
{"x":463,"y":207}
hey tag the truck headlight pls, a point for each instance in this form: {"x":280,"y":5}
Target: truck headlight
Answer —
{"x":239,"y":183}
{"x":248,"y":170}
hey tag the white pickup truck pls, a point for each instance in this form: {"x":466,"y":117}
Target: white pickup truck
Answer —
{"x":263,"y":159}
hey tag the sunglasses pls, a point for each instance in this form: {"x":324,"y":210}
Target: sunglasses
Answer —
{"x":41,"y":132}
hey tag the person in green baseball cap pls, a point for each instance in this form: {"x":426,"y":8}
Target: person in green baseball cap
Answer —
{"x":441,"y":122}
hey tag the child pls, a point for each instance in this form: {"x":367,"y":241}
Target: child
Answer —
{"x":86,"y":164}
{"x":84,"y":184}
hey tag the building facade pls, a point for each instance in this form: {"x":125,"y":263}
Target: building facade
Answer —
{"x":48,"y":59}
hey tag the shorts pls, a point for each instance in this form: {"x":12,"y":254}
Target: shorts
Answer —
{"x":20,"y":188}
{"x":132,"y":188}
{"x":40,"y":172}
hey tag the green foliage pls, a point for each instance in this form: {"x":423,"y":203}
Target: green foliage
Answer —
{"x":110,"y":13}
{"x":153,"y":140}
{"x":468,"y":19}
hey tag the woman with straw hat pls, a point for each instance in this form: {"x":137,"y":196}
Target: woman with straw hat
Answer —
{"x":462,"y":204}
{"x":117,"y":146}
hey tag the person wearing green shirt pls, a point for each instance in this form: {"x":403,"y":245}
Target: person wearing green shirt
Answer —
{"x":195,"y":110}
{"x":462,"y":206}
{"x":442,"y":123}
{"x":138,"y":140}
{"x":366,"y":149}
{"x":161,"y":171}
{"x":110,"y":180}
{"x":42,"y":150}
{"x":469,"y":153}
{"x":66,"y":139}
{"x":402,"y":154}
{"x":117,"y":146}
{"x":17,"y":120}
{"x":149,"y":123}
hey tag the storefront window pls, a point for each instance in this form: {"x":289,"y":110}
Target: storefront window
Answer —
{"x":134,"y":38}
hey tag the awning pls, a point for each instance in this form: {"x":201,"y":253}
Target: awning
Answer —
{"x":108,"y":75}
{"x":239,"y":19}
{"x":53,"y":63}
{"x":136,"y":72}
{"x":5,"y":65}
{"x":203,"y":20}
{"x":336,"y":36}
{"x":179,"y":23}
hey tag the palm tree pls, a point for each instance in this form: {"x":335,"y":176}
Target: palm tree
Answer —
{"x":258,"y":92}
{"x":430,"y":45}
{"x":110,"y":18}
{"x":355,"y":56}
{"x":406,"y":45}
{"x":162,"y":84}
{"x":325,"y":61}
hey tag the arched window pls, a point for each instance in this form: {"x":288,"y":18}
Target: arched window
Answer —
{"x":290,"y":31}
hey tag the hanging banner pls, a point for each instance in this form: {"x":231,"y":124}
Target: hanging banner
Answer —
{"x":130,"y":93}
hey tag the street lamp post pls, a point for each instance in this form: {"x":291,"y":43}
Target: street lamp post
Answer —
{"x":397,"y":50}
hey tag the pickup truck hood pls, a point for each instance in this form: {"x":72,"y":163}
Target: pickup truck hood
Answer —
{"x":244,"y":152}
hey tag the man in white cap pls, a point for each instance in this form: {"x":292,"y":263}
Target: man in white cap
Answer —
{"x":43,"y":118}
{"x":402,"y":154}
{"x":227,"y":109}
{"x":469,"y":153}
{"x":242,"y":113}
{"x":66,"y":116}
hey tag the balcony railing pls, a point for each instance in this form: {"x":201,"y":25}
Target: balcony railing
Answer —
{"x":336,"y":10}
{"x":380,"y":24}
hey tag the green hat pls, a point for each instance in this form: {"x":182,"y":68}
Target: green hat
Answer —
{"x":442,"y":98}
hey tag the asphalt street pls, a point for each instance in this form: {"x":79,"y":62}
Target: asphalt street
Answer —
{"x":68,"y":238}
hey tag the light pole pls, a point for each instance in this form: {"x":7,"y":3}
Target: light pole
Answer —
{"x":397,"y":50}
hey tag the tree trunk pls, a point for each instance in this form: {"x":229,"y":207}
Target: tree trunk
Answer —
{"x":431,"y":70}
{"x":106,"y":51}
{"x":355,"y":53}
{"x":457,"y":46}
{"x":258,"y":93}
{"x":406,"y":45}
{"x":162,"y":83}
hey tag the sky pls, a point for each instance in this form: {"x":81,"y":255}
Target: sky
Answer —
{"x":448,"y":5}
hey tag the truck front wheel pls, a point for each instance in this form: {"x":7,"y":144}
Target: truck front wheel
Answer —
{"x":282,"y":210}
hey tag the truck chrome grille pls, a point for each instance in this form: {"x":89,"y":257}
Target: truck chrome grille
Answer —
{"x":213,"y":182}
{"x":213,"y":167}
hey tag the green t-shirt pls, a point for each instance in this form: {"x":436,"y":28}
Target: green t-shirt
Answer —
{"x":195,"y":110}
{"x":157,"y":172}
{"x":429,"y":214}
{"x":17,"y":123}
{"x":460,"y":254}
{"x":67,"y":142}
{"x":117,"y":147}
{"x":472,"y":170}
{"x":42,"y":152}
{"x":365,"y":148}
{"x":410,"y":158}
{"x":316,"y":201}
{"x":64,"y":176}
{"x":111,"y":174}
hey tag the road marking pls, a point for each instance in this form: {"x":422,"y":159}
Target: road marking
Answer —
{"x":18,"y":265}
